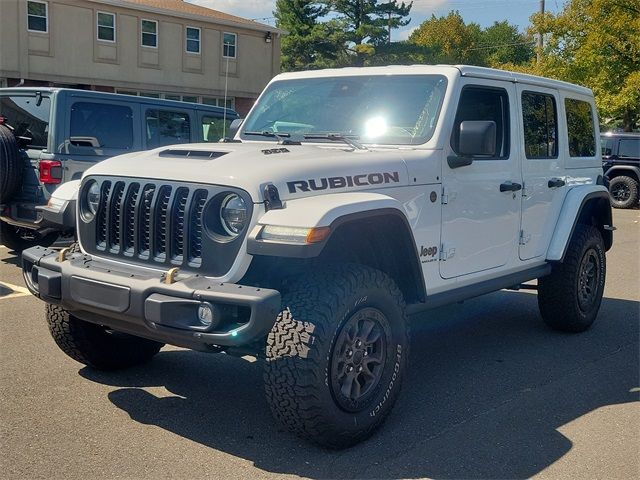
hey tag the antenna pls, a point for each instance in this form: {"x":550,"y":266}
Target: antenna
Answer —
{"x":226,"y":89}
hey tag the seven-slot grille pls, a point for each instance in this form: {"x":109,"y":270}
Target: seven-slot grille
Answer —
{"x":152,"y":222}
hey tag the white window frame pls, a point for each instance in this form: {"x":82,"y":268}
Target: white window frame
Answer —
{"x":235,"y":45}
{"x":142,"y":33}
{"x":186,"y":39}
{"x":46,"y":16}
{"x":115,"y":32}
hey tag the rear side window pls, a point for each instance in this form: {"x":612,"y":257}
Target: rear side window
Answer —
{"x":629,"y":148}
{"x":582,"y":135}
{"x":166,"y":127}
{"x":28,"y":116}
{"x":214,"y":128}
{"x":540,"y":124}
{"x":607,"y":146}
{"x":101,"y":125}
{"x":484,"y":103}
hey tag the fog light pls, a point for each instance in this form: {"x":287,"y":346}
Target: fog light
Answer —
{"x":205,"y":314}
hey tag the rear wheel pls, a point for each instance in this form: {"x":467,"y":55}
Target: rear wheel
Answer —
{"x":96,"y":345}
{"x":570,"y":297}
{"x":337,"y":354}
{"x":10,"y":164}
{"x":623,"y":191}
{"x":19,"y":238}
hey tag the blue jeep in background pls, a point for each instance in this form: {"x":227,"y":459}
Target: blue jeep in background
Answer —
{"x":49,"y":136}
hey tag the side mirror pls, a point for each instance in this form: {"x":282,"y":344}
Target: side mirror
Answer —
{"x":477,"y":138}
{"x":234,"y":127}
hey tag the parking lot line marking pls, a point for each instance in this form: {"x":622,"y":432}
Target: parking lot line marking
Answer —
{"x":8,"y":291}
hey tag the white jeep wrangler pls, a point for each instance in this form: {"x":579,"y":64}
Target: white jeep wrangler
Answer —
{"x":349,"y":200}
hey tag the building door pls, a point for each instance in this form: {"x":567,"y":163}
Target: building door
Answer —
{"x":481,"y":201}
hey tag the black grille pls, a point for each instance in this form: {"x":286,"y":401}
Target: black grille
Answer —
{"x":158,"y":223}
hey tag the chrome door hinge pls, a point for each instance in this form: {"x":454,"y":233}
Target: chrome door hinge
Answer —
{"x":524,"y":239}
{"x":444,"y":198}
{"x":524,"y":189}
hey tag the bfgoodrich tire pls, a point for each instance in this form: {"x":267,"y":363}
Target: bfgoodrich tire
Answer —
{"x":623,"y":191}
{"x":569,"y":298}
{"x":95,"y":345}
{"x":336,"y":355}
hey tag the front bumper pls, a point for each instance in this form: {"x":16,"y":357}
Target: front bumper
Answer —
{"x":136,"y":300}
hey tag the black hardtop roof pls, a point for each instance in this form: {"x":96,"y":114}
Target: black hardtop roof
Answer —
{"x":120,"y":97}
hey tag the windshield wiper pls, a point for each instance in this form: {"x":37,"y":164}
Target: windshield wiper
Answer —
{"x":269,"y":134}
{"x":337,"y":137}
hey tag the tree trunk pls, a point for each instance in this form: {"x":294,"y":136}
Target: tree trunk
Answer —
{"x":627,"y":121}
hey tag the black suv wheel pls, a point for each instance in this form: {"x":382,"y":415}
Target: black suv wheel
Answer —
{"x":337,"y":354}
{"x":623,"y":191}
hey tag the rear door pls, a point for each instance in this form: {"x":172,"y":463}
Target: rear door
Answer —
{"x":542,"y":168}
{"x":479,"y":221}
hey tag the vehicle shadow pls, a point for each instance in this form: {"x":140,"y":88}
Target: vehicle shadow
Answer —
{"x":487,"y":389}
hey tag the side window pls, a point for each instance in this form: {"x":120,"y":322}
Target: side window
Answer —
{"x":165,"y":127}
{"x":540,"y":122}
{"x":101,"y":125}
{"x":484,"y":103}
{"x":607,"y":146}
{"x":629,"y":148}
{"x":214,"y":128}
{"x":582,"y":137}
{"x":106,"y":26}
{"x":37,"y":16}
{"x":149,"y":29}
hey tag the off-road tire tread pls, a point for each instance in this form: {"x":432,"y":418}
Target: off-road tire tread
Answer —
{"x":632,"y":201}
{"x":290,"y":383}
{"x":88,"y":344}
{"x":557,"y":291}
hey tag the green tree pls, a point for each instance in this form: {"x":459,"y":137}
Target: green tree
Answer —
{"x":502,"y":43}
{"x":596,"y":43}
{"x":450,"y":40}
{"x":365,"y":24}
{"x":308,"y":43}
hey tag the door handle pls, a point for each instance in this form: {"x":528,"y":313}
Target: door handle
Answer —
{"x":556,"y":182}
{"x":510,"y":186}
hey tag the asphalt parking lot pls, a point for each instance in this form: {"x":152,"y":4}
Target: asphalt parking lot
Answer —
{"x":491,"y":393}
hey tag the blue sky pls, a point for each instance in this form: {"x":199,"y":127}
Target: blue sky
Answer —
{"x":484,"y":12}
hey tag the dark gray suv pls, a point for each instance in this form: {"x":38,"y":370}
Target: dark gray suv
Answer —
{"x":621,"y":165}
{"x":49,"y":136}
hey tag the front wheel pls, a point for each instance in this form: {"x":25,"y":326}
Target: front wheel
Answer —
{"x":96,"y":345}
{"x":569,"y":298}
{"x":336,"y":355}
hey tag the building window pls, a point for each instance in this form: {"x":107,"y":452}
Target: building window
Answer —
{"x":172,"y":97}
{"x":149,"y":30}
{"x":189,"y":98}
{"x":38,"y":16}
{"x":106,"y":26}
{"x":580,"y":129}
{"x":540,"y":125}
{"x":219,"y":102}
{"x":193,"y":40}
{"x":229,"y":45}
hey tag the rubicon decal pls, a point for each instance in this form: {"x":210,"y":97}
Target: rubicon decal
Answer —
{"x":361,"y":180}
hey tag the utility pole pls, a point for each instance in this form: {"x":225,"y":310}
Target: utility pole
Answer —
{"x":389,"y":27}
{"x":540,"y":36}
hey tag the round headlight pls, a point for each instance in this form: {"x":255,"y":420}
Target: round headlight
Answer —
{"x":91,"y":201}
{"x":233,"y":214}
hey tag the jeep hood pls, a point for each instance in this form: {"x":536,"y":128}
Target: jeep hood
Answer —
{"x":296,"y":170}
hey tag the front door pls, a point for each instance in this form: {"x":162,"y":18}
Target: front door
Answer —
{"x":481,"y":201}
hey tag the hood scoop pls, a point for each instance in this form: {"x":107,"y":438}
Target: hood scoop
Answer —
{"x":193,"y":154}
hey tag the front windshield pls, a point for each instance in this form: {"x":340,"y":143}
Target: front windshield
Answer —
{"x":377,"y":109}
